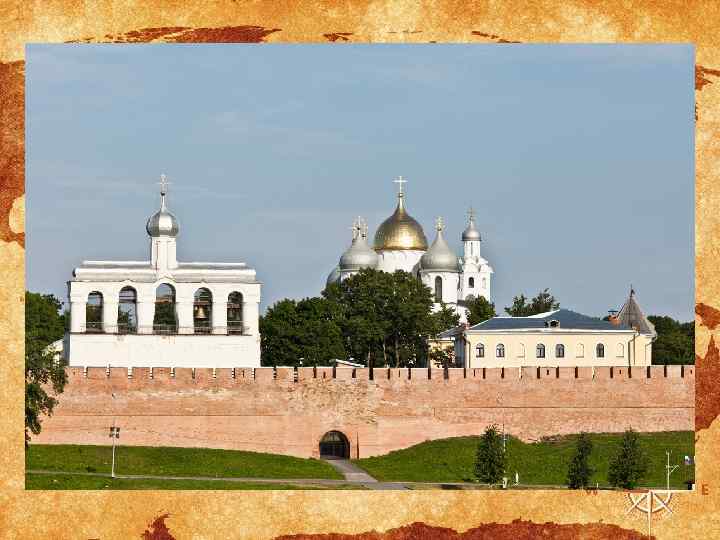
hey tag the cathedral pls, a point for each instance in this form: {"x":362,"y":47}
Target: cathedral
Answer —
{"x":400,"y":244}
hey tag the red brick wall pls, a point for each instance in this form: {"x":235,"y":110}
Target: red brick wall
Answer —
{"x":284,"y":412}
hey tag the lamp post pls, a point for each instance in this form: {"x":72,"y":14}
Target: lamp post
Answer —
{"x":669,"y":469}
{"x":114,"y":434}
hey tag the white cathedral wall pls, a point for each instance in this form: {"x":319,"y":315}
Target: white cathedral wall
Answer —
{"x":449,"y":285}
{"x":401,"y":259}
{"x":100,"y":350}
{"x":481,"y":286}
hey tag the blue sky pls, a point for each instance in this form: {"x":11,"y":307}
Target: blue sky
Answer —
{"x":579,"y":159}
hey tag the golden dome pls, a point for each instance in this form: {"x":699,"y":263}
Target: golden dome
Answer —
{"x":400,"y":231}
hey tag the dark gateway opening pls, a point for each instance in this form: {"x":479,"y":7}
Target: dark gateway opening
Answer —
{"x":334,"y":445}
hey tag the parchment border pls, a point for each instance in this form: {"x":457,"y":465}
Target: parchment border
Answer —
{"x":267,"y":514}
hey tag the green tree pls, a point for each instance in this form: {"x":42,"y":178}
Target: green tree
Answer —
{"x":43,"y":325}
{"x":490,"y":458}
{"x":306,"y":329}
{"x":579,"y":470}
{"x":542,"y":302}
{"x":442,"y":356}
{"x":479,"y":310}
{"x":675,"y":343}
{"x":387,"y":317}
{"x":629,"y":465}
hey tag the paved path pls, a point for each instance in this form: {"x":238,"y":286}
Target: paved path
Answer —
{"x":350,"y":471}
{"x":353,"y":476}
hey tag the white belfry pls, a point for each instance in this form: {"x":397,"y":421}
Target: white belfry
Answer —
{"x":161,"y":312}
{"x":400,"y":244}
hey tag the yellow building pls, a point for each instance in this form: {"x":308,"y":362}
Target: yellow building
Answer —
{"x":557,"y":338}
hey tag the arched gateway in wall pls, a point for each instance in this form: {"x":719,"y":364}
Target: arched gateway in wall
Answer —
{"x":334,"y":445}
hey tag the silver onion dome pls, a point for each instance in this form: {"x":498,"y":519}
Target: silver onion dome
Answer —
{"x":439,"y":258}
{"x":334,"y":276}
{"x":162,"y":222}
{"x":470,"y":232}
{"x":359,"y":255}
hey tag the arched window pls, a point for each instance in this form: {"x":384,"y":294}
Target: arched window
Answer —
{"x":471,"y":282}
{"x":165,"y":321}
{"x":127,"y":311}
{"x":559,"y":350}
{"x":480,"y":351}
{"x":600,"y":350}
{"x":484,"y":283}
{"x":94,"y":312}
{"x":580,"y":350}
{"x":620,"y":350}
{"x":500,"y":351}
{"x":438,"y":289}
{"x":202,"y":311}
{"x":234,"y":313}
{"x":540,"y":351}
{"x":521,"y":350}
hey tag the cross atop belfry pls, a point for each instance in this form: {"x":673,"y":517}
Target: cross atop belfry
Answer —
{"x":471,"y":214}
{"x":399,"y":181}
{"x":439,"y":225}
{"x":163,"y":184}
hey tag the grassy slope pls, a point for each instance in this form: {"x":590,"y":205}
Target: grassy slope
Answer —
{"x":174,"y":462}
{"x":65,"y":481}
{"x":452,"y":460}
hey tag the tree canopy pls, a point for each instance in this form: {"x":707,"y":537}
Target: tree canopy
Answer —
{"x":629,"y":465}
{"x":490,"y":457}
{"x":675,"y":343}
{"x":44,"y":324}
{"x":375,"y":317}
{"x":541,"y":303}
{"x":579,"y":470}
{"x":306,"y":330}
{"x":479,"y":310}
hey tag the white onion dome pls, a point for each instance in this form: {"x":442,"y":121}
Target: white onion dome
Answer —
{"x":471,"y":233}
{"x":439,"y":258}
{"x":359,"y":255}
{"x":162,"y":222}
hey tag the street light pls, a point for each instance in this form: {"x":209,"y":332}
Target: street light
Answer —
{"x":114,"y":434}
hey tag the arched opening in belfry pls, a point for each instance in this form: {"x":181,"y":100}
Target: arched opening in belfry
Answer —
{"x":234,"y":313}
{"x":94,"y":312}
{"x":165,"y":320}
{"x":127,"y":311}
{"x":202,"y":311}
{"x":334,"y":445}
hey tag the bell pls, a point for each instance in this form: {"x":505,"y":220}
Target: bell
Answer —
{"x":201,"y":313}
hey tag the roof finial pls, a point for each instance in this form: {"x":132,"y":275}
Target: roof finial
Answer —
{"x":356,"y":228}
{"x":439,"y":225}
{"x":163,"y":190}
{"x":399,"y":181}
{"x":632,"y":291}
{"x":471,"y":215}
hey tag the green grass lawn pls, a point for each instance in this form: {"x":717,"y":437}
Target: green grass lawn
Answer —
{"x":66,"y":481}
{"x":167,"y":461}
{"x":452,"y":460}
